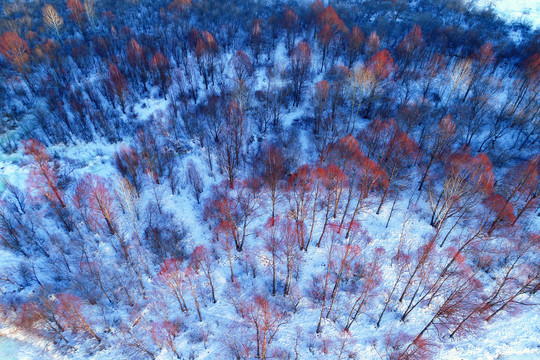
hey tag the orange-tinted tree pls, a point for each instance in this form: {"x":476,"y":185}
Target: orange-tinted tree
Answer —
{"x":43,"y":176}
{"x":289,"y":22}
{"x":180,"y":5}
{"x":373,"y":43}
{"x":171,"y":276}
{"x":392,"y":148}
{"x":137,"y":60}
{"x":206,"y":50}
{"x":355,"y":42}
{"x":43,"y":180}
{"x":381,"y":66}
{"x":321,"y":95}
{"x":438,"y":145}
{"x":300,"y":65}
{"x":304,"y":189}
{"x":361,"y":176}
{"x":467,"y":180}
{"x":371,"y":177}
{"x":161,"y":67}
{"x":118,"y":85}
{"x":347,"y":156}
{"x":76,"y":12}
{"x":331,"y":30}
{"x":264,"y":320}
{"x":93,"y":192}
{"x":332,"y":179}
{"x":409,"y":48}
{"x":231,"y":211}
{"x":15,"y":50}
{"x":256,"y":38}
{"x":70,"y":310}
{"x":521,"y":187}
{"x":274,"y":168}
{"x":202,"y":259}
{"x":129,"y":164}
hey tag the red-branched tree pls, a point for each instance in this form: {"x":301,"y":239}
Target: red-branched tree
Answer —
{"x":355,"y":42}
{"x":304,"y":189}
{"x":172,"y":278}
{"x":161,"y":68}
{"x":290,"y":251}
{"x":256,"y":39}
{"x":242,"y":66}
{"x":231,"y":211}
{"x":467,"y":180}
{"x":521,"y":187}
{"x":136,"y":58}
{"x":402,"y":346}
{"x":439,"y":145}
{"x":460,"y":293}
{"x":482,"y":60}
{"x":289,"y":22}
{"x":332,"y":179}
{"x":118,"y":85}
{"x":392,"y":148}
{"x":202,"y":259}
{"x":43,"y":176}
{"x":180,"y":5}
{"x":43,"y":180}
{"x":321,"y":95}
{"x":520,"y":278}
{"x":129,"y":164}
{"x":15,"y":50}
{"x":381,"y":66}
{"x":300,"y":65}
{"x":373,"y":43}
{"x":70,"y":311}
{"x":502,"y":212}
{"x":434,"y":66}
{"x":273,"y":243}
{"x":206,"y":50}
{"x":264,"y":320}
{"x":343,"y":260}
{"x":370,"y":177}
{"x":76,"y":12}
{"x":331,"y":30}
{"x":409,"y":48}
{"x":274,"y":169}
{"x":102,"y":214}
{"x":345,"y":154}
{"x":363,"y":291}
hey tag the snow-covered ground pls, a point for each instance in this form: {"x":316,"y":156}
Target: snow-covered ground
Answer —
{"x":502,"y":339}
{"x":13,"y":346}
{"x":527,"y":11}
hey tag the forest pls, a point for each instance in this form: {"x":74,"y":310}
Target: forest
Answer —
{"x":267,"y":179}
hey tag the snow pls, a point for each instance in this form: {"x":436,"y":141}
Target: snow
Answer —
{"x":11,"y":349}
{"x":16,"y":347}
{"x":503,"y":339}
{"x":508,"y":338}
{"x":527,"y":11}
